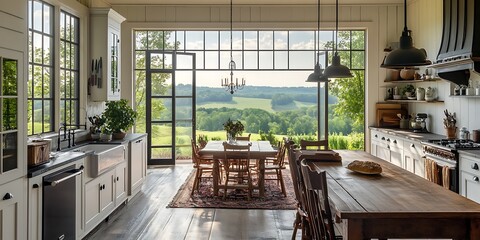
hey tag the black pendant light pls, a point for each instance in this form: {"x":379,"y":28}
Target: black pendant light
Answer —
{"x":407,"y":55}
{"x":317,"y":75}
{"x":337,"y":70}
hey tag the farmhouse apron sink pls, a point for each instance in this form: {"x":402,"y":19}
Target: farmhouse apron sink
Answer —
{"x":102,"y":157}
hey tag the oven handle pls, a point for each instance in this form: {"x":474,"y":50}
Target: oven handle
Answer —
{"x":75,"y":173}
{"x":442,"y":162}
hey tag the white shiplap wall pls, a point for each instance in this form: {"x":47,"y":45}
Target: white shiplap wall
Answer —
{"x":425,"y":20}
{"x":382,"y":22}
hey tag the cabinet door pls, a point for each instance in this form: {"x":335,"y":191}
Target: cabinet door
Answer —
{"x":470,"y":186}
{"x":138,"y":163}
{"x":383,"y":152}
{"x":396,"y":157}
{"x":92,"y":202}
{"x":120,"y":183}
{"x":107,"y":191}
{"x":13,"y":210}
{"x":35,"y":208}
{"x":113,"y":71}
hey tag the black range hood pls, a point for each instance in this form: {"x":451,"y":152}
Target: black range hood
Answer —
{"x":460,"y":47}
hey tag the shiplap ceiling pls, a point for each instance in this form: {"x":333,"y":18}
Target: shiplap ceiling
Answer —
{"x":247,"y":2}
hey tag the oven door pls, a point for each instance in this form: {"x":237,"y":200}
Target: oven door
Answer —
{"x":443,"y":172}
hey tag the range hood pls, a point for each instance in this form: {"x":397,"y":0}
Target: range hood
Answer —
{"x":460,"y":47}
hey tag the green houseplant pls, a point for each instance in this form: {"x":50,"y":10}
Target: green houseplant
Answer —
{"x":119,"y":117}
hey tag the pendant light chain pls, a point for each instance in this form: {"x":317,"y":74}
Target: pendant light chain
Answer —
{"x":231,"y":29}
{"x":336,"y":28}
{"x":317,"y":42}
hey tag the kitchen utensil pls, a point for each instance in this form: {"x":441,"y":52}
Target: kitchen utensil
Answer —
{"x":99,"y":77}
{"x":96,"y":73}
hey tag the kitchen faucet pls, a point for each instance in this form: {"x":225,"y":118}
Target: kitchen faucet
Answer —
{"x":65,"y":138}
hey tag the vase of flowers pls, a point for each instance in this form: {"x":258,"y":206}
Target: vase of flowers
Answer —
{"x":233,"y":129}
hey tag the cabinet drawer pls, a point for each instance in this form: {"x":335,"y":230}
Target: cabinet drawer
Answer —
{"x":470,"y":186}
{"x":414,"y":148}
{"x":470,"y":165}
{"x":11,"y":192}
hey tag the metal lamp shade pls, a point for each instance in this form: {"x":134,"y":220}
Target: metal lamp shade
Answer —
{"x":337,"y":70}
{"x":317,"y":75}
{"x":407,"y":55}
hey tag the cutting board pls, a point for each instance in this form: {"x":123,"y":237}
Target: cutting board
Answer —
{"x":389,"y":118}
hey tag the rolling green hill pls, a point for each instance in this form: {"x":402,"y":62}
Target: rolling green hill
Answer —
{"x":264,"y":104}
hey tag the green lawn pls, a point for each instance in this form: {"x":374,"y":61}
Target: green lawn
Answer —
{"x":260,"y":103}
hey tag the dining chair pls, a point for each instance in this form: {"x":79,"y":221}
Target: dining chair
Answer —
{"x":240,"y":138}
{"x":236,"y":163}
{"x":301,"y":217}
{"x":318,"y":204}
{"x":308,"y":145}
{"x":201,"y":165}
{"x":275,"y":166}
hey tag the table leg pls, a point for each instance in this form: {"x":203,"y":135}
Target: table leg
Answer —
{"x":475,"y":229}
{"x":352,"y":229}
{"x":216,"y":177}
{"x":261,"y":178}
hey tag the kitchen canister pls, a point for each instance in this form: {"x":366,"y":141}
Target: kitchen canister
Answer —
{"x":476,"y":135}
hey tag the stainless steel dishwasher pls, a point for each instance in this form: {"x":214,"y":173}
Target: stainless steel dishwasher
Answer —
{"x":59,"y":196}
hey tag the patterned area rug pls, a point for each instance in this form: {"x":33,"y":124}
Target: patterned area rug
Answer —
{"x":204,"y":198}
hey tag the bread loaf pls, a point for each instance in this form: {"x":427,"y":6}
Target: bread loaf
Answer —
{"x":366,"y":167}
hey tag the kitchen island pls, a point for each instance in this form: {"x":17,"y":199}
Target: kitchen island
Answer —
{"x":395,"y":203}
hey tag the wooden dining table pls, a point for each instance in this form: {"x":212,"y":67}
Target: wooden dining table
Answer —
{"x":259,"y":150}
{"x":395,"y":203}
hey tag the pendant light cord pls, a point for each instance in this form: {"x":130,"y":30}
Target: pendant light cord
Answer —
{"x":336,"y":27}
{"x":231,"y":29}
{"x":405,"y":16}
{"x":317,"y":49}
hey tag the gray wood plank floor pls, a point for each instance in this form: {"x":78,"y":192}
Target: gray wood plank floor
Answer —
{"x":146,"y":216}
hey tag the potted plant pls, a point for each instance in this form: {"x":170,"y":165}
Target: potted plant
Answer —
{"x":119,"y":117}
{"x":233,"y":129}
{"x":409,"y":90}
{"x":202,"y":140}
{"x":97,"y":122}
{"x":106,"y":133}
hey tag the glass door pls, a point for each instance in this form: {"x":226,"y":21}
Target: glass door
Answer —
{"x":170,"y":106}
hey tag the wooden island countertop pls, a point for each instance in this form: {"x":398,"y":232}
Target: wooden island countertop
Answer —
{"x":395,"y":203}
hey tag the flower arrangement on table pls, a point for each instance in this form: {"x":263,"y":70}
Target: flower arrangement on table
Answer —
{"x":233,"y":128}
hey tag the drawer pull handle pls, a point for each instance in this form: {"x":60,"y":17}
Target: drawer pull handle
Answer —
{"x":35,"y":186}
{"x":474,"y":166}
{"x":118,"y":178}
{"x":475,"y":179}
{"x":8,"y":196}
{"x":383,"y":138}
{"x":388,"y":147}
{"x":388,"y":139}
{"x":395,"y":141}
{"x":376,"y":135}
{"x":139,"y":141}
{"x":412,"y":145}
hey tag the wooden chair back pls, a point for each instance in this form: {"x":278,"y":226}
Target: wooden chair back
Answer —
{"x":196,"y":158}
{"x":237,"y":155}
{"x":240,"y":138}
{"x":317,"y":203}
{"x":313,"y":145}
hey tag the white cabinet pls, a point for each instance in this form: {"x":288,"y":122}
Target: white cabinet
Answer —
{"x":470,"y":177}
{"x":137,"y":164}
{"x":403,"y":152}
{"x":13,"y":207}
{"x":413,"y":157}
{"x":105,"y":46}
{"x":103,"y":194}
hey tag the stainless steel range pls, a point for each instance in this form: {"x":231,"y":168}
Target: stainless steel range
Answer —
{"x":441,"y":163}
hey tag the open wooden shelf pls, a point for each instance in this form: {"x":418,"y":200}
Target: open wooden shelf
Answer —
{"x":414,"y":101}
{"x":412,"y":80}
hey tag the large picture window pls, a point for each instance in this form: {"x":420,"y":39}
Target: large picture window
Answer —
{"x":69,"y":69}
{"x":40,"y":68}
{"x":276,"y":100}
{"x":45,"y":83}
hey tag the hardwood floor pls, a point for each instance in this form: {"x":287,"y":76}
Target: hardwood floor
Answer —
{"x":146,"y":217}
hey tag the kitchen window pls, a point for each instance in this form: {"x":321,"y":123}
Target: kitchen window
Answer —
{"x":44,"y":81}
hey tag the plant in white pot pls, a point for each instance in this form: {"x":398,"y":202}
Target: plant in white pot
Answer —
{"x":119,"y":117}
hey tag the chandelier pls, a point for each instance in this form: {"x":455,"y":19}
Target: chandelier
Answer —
{"x":228,"y":83}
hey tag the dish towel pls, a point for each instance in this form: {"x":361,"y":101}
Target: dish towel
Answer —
{"x":446,"y":177}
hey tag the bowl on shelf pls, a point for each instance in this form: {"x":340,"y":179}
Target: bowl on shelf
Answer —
{"x":397,"y":97}
{"x":412,"y":98}
{"x":407,"y":74}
